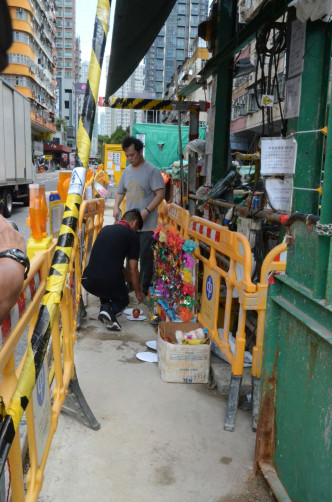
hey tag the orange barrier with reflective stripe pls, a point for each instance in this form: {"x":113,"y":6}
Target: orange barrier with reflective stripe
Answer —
{"x":162,"y":213}
{"x":59,"y":360}
{"x":179,"y":217}
{"x":236,"y":248}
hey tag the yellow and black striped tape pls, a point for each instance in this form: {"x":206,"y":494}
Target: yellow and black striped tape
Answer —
{"x":59,"y":267}
{"x":141,"y":104}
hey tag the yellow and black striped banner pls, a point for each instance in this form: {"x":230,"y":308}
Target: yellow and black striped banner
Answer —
{"x":59,"y":267}
{"x":155,"y":104}
{"x":141,"y":104}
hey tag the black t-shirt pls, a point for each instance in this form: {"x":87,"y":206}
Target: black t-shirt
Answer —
{"x":113,"y":244}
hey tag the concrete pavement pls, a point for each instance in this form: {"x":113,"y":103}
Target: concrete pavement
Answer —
{"x":157,"y":442}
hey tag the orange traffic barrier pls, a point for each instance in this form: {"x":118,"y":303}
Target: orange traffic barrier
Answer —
{"x":42,"y":414}
{"x":236,"y":275}
{"x":178,"y":217}
{"x":272,"y":263}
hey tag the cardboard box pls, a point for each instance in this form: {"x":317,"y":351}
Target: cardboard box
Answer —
{"x":182,"y":363}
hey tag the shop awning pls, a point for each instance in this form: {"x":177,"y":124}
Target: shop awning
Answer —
{"x":136,"y":25}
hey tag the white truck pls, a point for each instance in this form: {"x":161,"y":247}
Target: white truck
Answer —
{"x":16,"y":166}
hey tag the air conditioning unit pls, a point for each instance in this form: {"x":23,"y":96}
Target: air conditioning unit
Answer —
{"x":21,"y":10}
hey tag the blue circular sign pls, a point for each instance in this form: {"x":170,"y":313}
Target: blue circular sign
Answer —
{"x":209,"y":287}
{"x":40,"y":384}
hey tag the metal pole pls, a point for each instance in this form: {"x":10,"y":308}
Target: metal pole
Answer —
{"x":59,"y":267}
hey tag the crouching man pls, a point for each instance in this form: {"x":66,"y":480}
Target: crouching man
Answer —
{"x":105,"y":274}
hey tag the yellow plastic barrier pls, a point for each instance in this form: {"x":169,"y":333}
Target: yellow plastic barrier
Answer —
{"x":235,"y":248}
{"x":162,"y":213}
{"x":179,"y":217}
{"x":270,"y":264}
{"x":41,"y":416}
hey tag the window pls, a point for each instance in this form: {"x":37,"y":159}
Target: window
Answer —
{"x":67,"y":104}
{"x":59,"y":33}
{"x":159,"y":76}
{"x":59,"y":24}
{"x":160,"y":53}
{"x":159,"y":64}
{"x":68,"y":55}
{"x":181,"y":9}
{"x":68,"y":14}
{"x":68,"y":24}
{"x":180,"y":43}
{"x":68,"y":34}
{"x":68,"y":74}
{"x":68,"y":64}
{"x":170,"y":52}
{"x":58,"y":43}
{"x":59,"y":54}
{"x":21,"y":14}
{"x":59,"y":64}
{"x":180,"y":54}
{"x":68,"y":45}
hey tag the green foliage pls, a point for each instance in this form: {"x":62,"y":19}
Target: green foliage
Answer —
{"x":61,"y":122}
{"x":118,"y":135}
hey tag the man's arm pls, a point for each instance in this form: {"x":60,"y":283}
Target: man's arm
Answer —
{"x":11,"y":272}
{"x":118,"y":199}
{"x":157,"y":199}
{"x":134,"y":279}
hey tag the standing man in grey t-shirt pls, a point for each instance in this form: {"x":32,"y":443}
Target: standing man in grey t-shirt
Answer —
{"x":143,"y":186}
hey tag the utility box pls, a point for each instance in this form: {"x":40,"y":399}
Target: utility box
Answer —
{"x":114,"y":162}
{"x":182,"y":363}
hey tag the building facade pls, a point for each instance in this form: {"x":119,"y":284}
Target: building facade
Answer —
{"x":133,"y":87}
{"x":67,"y":65}
{"x":173,"y":43}
{"x":31,"y":60}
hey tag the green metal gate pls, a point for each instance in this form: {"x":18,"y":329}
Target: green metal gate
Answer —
{"x":294,"y":443}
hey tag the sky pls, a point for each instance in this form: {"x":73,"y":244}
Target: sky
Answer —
{"x":85,"y":19}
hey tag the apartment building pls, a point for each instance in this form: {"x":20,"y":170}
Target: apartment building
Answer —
{"x":173,"y":43}
{"x":187,"y":73}
{"x":31,"y":60}
{"x":258,"y":74}
{"x":67,"y":65}
{"x":133,"y":87}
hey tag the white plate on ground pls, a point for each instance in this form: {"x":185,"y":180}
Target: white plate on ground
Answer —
{"x":130,"y":312}
{"x":151,"y":344}
{"x":140,"y":318}
{"x":147,"y":357}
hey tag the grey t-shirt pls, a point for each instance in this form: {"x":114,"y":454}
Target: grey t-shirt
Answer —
{"x":139,"y":184}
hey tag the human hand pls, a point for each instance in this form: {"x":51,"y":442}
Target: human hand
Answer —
{"x":9,"y":237}
{"x":116,"y":213}
{"x":144,"y":214}
{"x":140,"y":297}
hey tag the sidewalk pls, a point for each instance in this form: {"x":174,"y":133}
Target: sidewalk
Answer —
{"x":157,"y":442}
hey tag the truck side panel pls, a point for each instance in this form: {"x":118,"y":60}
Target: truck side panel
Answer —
{"x":9,"y":132}
{"x":29,"y":174}
{"x":2,"y":140}
{"x":19,"y":137}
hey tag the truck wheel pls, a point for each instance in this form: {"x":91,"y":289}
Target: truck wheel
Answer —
{"x":8,"y":203}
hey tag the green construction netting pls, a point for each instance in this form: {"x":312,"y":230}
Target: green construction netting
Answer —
{"x":162,"y":142}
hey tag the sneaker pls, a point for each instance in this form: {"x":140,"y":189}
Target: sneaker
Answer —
{"x":105,"y":314}
{"x":114,"y":325}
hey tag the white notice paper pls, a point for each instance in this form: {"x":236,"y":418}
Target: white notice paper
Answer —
{"x":278,"y":156}
{"x":293,"y":94}
{"x":280,"y":193}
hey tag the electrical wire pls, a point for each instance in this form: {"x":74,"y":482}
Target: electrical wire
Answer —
{"x":270,"y":45}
